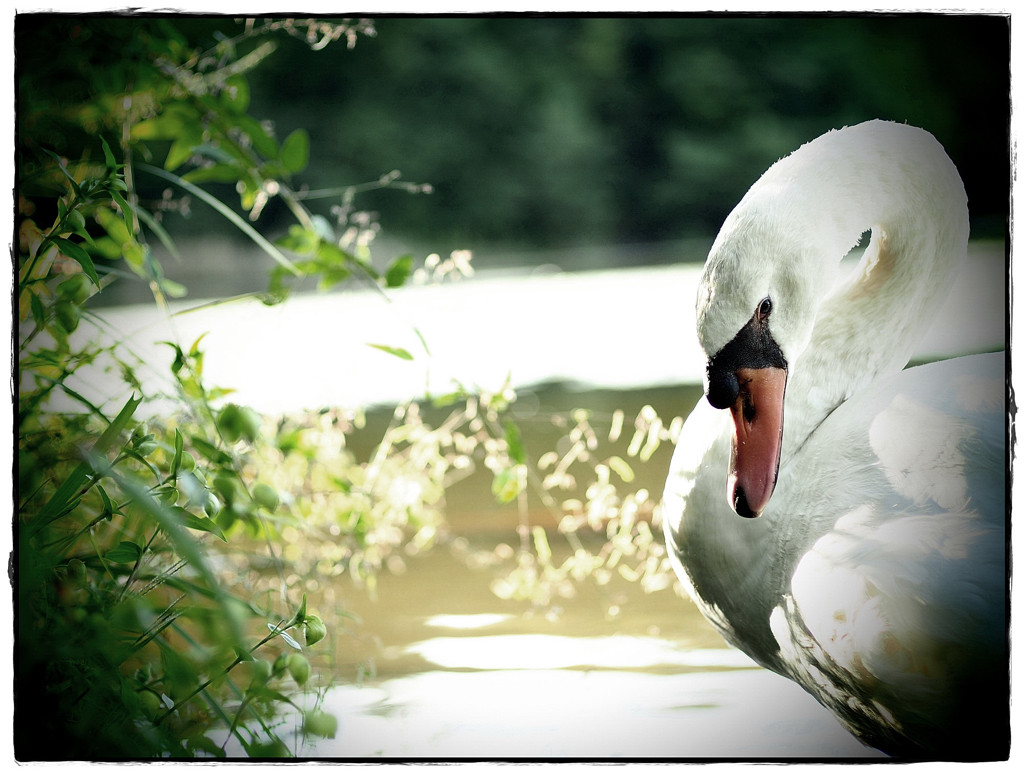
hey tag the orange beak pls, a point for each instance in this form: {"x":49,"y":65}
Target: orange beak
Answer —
{"x":757,"y":442}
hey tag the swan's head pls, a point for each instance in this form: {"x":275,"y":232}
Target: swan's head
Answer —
{"x":775,"y":262}
{"x":755,"y":312}
{"x":767,"y":249}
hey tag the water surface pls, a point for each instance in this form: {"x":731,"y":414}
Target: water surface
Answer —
{"x":613,"y":673}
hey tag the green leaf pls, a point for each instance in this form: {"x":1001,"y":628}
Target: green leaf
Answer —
{"x":318,"y":722}
{"x":179,"y":446}
{"x":301,"y":241}
{"x":332,"y":263}
{"x":125,"y":553}
{"x":172,"y":123}
{"x":67,"y":175}
{"x":115,"y":227}
{"x":397,"y":351}
{"x":38,"y":313}
{"x":298,"y":617}
{"x":108,"y":506}
{"x":328,"y":254}
{"x":172,"y":289}
{"x":264,"y":693}
{"x":235,"y":94}
{"x":264,"y":144}
{"x":423,"y":341}
{"x":87,"y":403}
{"x":217,"y":173}
{"x":193,"y":521}
{"x":108,"y":155}
{"x":220,"y":155}
{"x":180,"y":152}
{"x":77,"y":253}
{"x":514,"y":440}
{"x":295,"y":151}
{"x":331,"y":277}
{"x":398,"y":271}
{"x":210,"y":451}
{"x":126,"y":211}
{"x":505,"y":486}
{"x":194,"y":350}
{"x":179,"y":357}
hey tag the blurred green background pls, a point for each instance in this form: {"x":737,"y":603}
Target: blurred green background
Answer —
{"x":546,"y":132}
{"x":576,"y":131}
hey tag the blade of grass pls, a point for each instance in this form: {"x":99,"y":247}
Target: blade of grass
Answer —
{"x":73,"y":484}
{"x":223,"y":209}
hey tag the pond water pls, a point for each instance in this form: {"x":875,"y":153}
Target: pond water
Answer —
{"x":613,"y":673}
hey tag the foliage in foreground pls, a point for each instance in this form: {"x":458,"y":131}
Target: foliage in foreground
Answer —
{"x":138,"y":632}
{"x":165,"y":543}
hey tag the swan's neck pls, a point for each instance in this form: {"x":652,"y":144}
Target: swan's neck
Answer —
{"x":907,"y":192}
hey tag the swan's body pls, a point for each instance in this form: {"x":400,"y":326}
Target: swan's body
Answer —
{"x":875,"y":575}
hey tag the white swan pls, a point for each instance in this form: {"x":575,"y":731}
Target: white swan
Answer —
{"x":875,"y":575}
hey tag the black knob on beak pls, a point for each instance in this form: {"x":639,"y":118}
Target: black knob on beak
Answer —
{"x":723,"y":388}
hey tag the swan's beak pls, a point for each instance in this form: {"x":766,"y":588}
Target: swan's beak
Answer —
{"x":757,"y":442}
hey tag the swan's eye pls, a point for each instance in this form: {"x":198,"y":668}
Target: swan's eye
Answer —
{"x":764,"y":308}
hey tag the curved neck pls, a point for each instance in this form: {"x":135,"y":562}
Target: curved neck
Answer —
{"x":907,"y":192}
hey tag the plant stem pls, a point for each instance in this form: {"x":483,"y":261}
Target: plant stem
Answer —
{"x":238,"y":659}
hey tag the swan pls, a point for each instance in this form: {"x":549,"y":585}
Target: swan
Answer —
{"x":834,"y":514}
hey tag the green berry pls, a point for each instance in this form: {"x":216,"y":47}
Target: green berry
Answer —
{"x":299,"y":668}
{"x":315,"y":629}
{"x":265,"y":496}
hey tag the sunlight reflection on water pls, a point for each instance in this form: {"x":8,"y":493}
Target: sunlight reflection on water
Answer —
{"x":466,"y":622}
{"x":542,"y":651}
{"x":626,"y":328}
{"x":546,"y":713}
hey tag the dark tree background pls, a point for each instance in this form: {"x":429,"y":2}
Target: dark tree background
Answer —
{"x":546,"y":131}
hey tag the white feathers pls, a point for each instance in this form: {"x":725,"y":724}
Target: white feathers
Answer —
{"x":876,"y":575}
